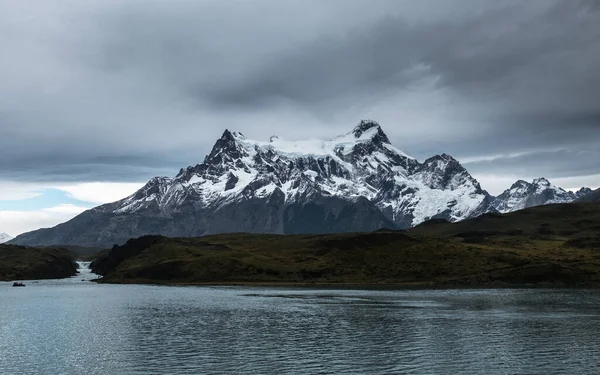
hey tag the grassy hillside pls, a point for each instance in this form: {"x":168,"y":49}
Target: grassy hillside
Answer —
{"x":551,"y":244}
{"x":27,"y":263}
{"x":84,"y":253}
{"x":554,"y":222}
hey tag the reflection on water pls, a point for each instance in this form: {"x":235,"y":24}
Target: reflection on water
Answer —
{"x":74,"y":327}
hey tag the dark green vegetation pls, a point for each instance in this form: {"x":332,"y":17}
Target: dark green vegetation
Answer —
{"x":28,"y":263}
{"x":557,"y":244}
{"x":83,"y":253}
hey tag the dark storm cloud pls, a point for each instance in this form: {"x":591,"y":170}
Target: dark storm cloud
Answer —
{"x":72,"y":168}
{"x":527,"y":133}
{"x":557,"y":163}
{"x":112,"y":90}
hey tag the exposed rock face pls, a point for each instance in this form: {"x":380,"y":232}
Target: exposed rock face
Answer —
{"x":584,"y":191}
{"x":523,"y":194}
{"x":591,"y":196}
{"x":355,"y":182}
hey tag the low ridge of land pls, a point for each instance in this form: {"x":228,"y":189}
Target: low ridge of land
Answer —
{"x":556,"y":244}
{"x":29,"y":263}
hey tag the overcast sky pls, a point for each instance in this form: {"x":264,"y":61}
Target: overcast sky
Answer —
{"x":98,"y":96}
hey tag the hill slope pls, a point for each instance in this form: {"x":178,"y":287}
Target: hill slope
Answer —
{"x":26,"y":263}
{"x":557,"y":244}
{"x":555,"y":221}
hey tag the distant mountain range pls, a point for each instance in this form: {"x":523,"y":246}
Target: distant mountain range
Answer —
{"x":523,"y":194}
{"x":594,"y":196}
{"x":4,"y":237}
{"x":357,"y":181}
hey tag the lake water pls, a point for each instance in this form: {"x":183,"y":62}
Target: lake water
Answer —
{"x":78,"y":327}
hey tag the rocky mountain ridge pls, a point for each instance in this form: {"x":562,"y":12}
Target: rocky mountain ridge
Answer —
{"x":593,"y":196}
{"x":523,"y":194}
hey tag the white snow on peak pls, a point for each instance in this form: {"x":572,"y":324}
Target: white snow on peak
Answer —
{"x":525,"y":194}
{"x":5,"y":237}
{"x":379,"y":172}
{"x":238,"y":135}
{"x":343,"y":144}
{"x":543,"y":184}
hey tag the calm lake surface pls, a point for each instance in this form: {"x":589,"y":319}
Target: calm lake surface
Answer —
{"x":77,"y":327}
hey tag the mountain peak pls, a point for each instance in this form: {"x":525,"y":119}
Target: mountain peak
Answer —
{"x":363,"y":126}
{"x":520,"y":183}
{"x":445,"y":172}
{"x":541,"y":181}
{"x":370,"y":129}
{"x":523,"y":194}
{"x":227,"y":136}
{"x":225,"y":147}
{"x":231,"y":137}
{"x":592,"y":196}
{"x":442,"y":161}
{"x":5,"y":237}
{"x":444,"y":157}
{"x":583,"y":191}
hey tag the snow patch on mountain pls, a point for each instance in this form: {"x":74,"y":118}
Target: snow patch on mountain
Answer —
{"x":540,"y":191}
{"x":360,"y":163}
{"x":4,"y":237}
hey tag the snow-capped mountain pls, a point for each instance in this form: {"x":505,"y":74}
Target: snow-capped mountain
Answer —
{"x":4,"y":237}
{"x":523,"y":194}
{"x":591,"y":196}
{"x":354,"y":182}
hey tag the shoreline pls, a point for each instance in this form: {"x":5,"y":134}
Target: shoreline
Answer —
{"x":357,"y":286}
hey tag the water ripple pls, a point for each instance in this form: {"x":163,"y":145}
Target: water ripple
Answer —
{"x":75,"y":328}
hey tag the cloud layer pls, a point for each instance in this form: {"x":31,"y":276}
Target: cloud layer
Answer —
{"x":17,"y":222}
{"x":31,"y":206}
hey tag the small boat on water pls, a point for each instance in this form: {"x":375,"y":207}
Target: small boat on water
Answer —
{"x":16,"y":283}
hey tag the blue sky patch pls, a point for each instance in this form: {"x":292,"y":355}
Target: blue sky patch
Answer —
{"x":47,"y":198}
